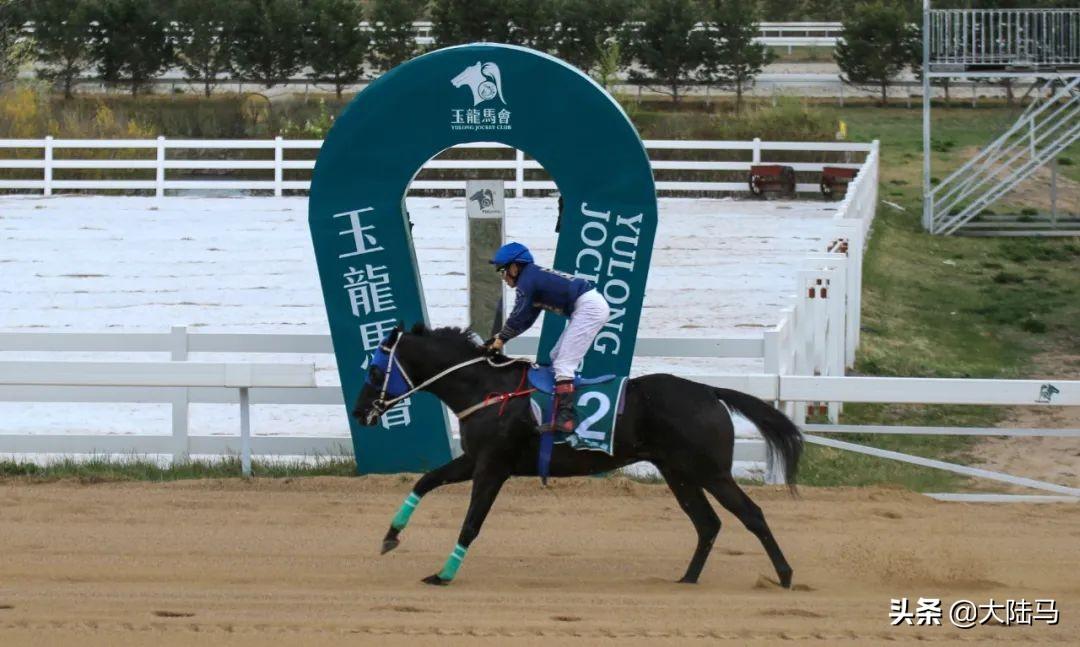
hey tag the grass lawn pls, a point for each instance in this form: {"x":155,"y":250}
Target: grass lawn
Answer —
{"x":103,"y":469}
{"x":946,"y":306}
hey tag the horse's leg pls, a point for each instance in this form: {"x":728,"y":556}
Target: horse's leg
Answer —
{"x":458,"y":470}
{"x":487,"y":481}
{"x":693,"y":502}
{"x":732,"y":497}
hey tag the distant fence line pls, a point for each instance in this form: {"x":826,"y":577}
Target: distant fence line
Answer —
{"x":42,"y":169}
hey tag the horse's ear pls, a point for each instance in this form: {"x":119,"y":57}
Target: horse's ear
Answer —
{"x":419,"y":328}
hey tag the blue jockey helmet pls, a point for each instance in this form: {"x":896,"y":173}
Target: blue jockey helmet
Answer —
{"x":511,"y":253}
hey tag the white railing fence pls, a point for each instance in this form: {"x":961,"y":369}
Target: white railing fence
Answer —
{"x":800,"y":34}
{"x":67,"y":382}
{"x":181,"y":345}
{"x":174,"y":376}
{"x":51,"y":162}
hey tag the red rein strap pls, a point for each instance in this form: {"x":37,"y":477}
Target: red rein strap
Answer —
{"x":492,"y":398}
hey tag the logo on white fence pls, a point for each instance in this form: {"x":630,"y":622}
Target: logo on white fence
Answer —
{"x":1047,"y":393}
{"x":484,"y":81}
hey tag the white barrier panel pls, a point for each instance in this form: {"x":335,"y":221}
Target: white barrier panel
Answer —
{"x":930,"y":390}
{"x":191,"y":374}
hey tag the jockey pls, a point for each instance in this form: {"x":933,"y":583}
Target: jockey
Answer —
{"x":539,"y":288}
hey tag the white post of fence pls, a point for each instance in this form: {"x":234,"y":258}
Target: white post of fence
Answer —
{"x":853,"y":286}
{"x":806,"y":313}
{"x":788,"y":352}
{"x":245,"y":433}
{"x":519,"y":173}
{"x":279,"y":157}
{"x":48,"y":165}
{"x":757,"y":150}
{"x":771,"y":338}
{"x":837,"y":327}
{"x":178,"y":347}
{"x":771,"y":341}
{"x":159,"y":179}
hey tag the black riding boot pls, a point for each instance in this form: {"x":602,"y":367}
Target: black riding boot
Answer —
{"x":565,"y":420}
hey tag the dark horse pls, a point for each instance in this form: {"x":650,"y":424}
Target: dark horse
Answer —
{"x":681,"y":427}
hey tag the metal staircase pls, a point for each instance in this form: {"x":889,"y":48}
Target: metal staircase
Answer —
{"x":1046,"y":128}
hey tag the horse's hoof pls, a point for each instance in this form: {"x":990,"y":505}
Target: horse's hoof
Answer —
{"x":687,"y":580}
{"x":435,"y":580}
{"x":389,"y":545}
{"x":785,"y":579}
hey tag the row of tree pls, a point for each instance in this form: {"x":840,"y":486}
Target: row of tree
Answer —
{"x":666,"y":43}
{"x":130,"y":42}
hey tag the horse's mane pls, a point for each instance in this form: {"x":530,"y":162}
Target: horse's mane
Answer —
{"x":463,"y":338}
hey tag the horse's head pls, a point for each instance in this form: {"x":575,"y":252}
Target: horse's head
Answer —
{"x":470,"y":76}
{"x":385,"y":379}
{"x":405,"y":360}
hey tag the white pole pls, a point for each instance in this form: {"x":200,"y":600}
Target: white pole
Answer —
{"x":519,"y":174}
{"x":179,"y":353}
{"x":159,"y":183}
{"x":245,"y":433}
{"x":279,"y":156}
{"x":48,"y":165}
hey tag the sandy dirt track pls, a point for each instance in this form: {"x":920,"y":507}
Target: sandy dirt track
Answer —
{"x":587,"y":561}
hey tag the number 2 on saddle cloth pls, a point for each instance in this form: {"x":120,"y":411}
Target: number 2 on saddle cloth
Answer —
{"x":598,"y":403}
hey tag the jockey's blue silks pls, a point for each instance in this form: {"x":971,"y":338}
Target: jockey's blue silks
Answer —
{"x":367,"y":265}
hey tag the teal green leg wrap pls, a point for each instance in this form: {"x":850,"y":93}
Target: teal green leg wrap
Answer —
{"x":401,"y":519}
{"x":453,"y":563}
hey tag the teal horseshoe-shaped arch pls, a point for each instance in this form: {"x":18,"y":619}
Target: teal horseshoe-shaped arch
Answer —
{"x":363,"y":246}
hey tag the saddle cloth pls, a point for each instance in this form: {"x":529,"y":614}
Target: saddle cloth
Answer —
{"x":598,"y":402}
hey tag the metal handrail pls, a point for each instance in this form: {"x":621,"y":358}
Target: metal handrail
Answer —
{"x":1015,"y":174}
{"x":1018,"y":175}
{"x":1027,"y":129}
{"x":949,"y":192}
{"x":1014,"y":129}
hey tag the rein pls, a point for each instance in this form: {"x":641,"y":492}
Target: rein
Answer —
{"x":382,"y":404}
{"x":503,"y":398}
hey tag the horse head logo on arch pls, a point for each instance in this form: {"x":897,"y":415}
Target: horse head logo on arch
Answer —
{"x":484,"y":80}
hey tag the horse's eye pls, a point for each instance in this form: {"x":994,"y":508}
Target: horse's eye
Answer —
{"x":376,"y":374}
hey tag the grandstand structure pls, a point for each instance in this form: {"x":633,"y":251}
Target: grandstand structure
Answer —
{"x":1040,"y":46}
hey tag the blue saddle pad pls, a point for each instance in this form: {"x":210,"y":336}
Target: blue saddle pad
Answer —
{"x":542,"y":378}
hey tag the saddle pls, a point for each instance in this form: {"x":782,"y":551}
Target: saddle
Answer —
{"x":597,"y":424}
{"x":542,"y":378}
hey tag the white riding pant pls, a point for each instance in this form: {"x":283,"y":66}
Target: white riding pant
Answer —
{"x":590,"y":314}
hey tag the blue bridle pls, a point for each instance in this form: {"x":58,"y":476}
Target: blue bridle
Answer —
{"x":395,"y":381}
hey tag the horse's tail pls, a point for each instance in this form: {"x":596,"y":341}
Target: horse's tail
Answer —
{"x":783,"y":437}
